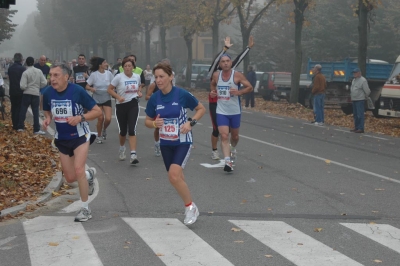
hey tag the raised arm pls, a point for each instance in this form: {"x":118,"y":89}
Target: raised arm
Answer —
{"x":214,"y":65}
{"x":240,"y":57}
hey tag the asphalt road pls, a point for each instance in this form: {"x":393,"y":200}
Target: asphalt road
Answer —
{"x":299,"y":195}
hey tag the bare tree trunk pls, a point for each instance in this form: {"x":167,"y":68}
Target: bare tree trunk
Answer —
{"x":163,"y":34}
{"x":189,"y":41}
{"x":300,"y":7}
{"x":95,"y":48}
{"x":116,"y":51}
{"x":104,"y":47}
{"x":215,"y":36}
{"x":362,"y":36}
{"x":147,"y":42}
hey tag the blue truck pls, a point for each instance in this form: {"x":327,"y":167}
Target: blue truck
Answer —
{"x":339,"y":76}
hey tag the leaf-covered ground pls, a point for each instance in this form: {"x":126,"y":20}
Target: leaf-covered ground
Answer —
{"x":27,"y":165}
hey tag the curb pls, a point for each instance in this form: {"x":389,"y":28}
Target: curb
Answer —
{"x":54,"y":185}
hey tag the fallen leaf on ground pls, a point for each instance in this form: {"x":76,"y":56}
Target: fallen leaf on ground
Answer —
{"x":317,"y":229}
{"x":234,"y":229}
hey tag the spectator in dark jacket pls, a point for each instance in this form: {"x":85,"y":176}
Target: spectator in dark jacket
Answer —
{"x":14,"y":74}
{"x":252,"y":78}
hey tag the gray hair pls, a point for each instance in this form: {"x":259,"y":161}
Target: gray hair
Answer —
{"x":318,"y":66}
{"x":64,"y":67}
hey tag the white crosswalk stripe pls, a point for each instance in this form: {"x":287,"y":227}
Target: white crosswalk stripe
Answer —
{"x":57,"y":240}
{"x":175,"y":243}
{"x":296,"y":246}
{"x":384,"y":234}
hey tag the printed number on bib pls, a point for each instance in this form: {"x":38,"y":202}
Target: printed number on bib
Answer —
{"x":131,"y":87}
{"x":61,"y":110}
{"x":80,"y":77}
{"x":170,"y":129}
{"x":223,"y":93}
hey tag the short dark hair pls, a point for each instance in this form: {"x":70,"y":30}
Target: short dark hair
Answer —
{"x":18,"y":57}
{"x":29,"y":61}
{"x":82,"y":55}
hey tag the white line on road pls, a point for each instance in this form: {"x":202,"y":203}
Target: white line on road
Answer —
{"x":175,"y":243}
{"x":299,"y":248}
{"x":76,"y":205}
{"x":324,"y":159}
{"x":59,"y":241}
{"x":275,"y":117}
{"x":364,"y":135}
{"x":384,"y":234}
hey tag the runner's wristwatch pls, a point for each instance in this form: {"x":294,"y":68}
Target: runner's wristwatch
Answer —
{"x":192,"y":121}
{"x":83,"y":119}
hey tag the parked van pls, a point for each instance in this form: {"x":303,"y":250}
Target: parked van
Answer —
{"x":196,"y":70}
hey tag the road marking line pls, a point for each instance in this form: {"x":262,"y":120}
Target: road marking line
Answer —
{"x":275,"y":117}
{"x":384,"y":234}
{"x":176,"y":242}
{"x":346,"y":131}
{"x":76,"y":205}
{"x":59,"y":241}
{"x":323,"y":159}
{"x":5,"y":241}
{"x":218,"y":165}
{"x":299,"y":248}
{"x":374,"y":137}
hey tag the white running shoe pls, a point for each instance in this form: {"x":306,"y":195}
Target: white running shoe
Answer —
{"x":134,"y":159}
{"x":83,"y":215}
{"x":228,"y":166}
{"x":157,"y":150}
{"x":92,"y":172}
{"x":233,"y":155}
{"x":104,"y":134}
{"x":215,"y":155}
{"x":191,"y":214}
{"x":99,"y":140}
{"x":122,"y":155}
{"x":40,"y":132}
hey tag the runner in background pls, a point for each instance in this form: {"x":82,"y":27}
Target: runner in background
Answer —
{"x":213,"y":101}
{"x":97,"y":84}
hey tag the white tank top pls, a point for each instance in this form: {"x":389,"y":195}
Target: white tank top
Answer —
{"x":227,"y":104}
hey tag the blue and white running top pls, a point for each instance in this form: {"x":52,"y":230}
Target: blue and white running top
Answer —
{"x":227,"y":104}
{"x":62,"y":105}
{"x":172,"y":108}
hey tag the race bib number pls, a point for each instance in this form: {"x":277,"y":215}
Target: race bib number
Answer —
{"x":131,"y":86}
{"x":61,"y":110}
{"x":80,"y":77}
{"x":223,"y":93}
{"x":170,"y":129}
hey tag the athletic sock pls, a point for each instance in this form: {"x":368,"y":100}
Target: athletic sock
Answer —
{"x":187,"y":205}
{"x":85,"y":205}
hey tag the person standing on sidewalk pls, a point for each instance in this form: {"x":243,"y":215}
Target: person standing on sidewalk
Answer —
{"x":318,"y":91}
{"x":252,"y":78}
{"x":14,"y":74}
{"x":32,"y":81}
{"x":65,"y":102}
{"x":359,"y":91}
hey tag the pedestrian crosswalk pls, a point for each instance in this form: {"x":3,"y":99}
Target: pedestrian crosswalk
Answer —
{"x":57,"y":240}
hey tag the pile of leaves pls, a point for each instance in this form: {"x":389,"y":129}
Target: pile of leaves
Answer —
{"x":333,"y":116}
{"x":27,"y":165}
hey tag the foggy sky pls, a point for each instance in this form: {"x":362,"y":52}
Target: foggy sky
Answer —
{"x":24,"y":7}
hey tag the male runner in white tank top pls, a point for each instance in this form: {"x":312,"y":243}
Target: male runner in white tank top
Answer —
{"x":225,"y":85}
